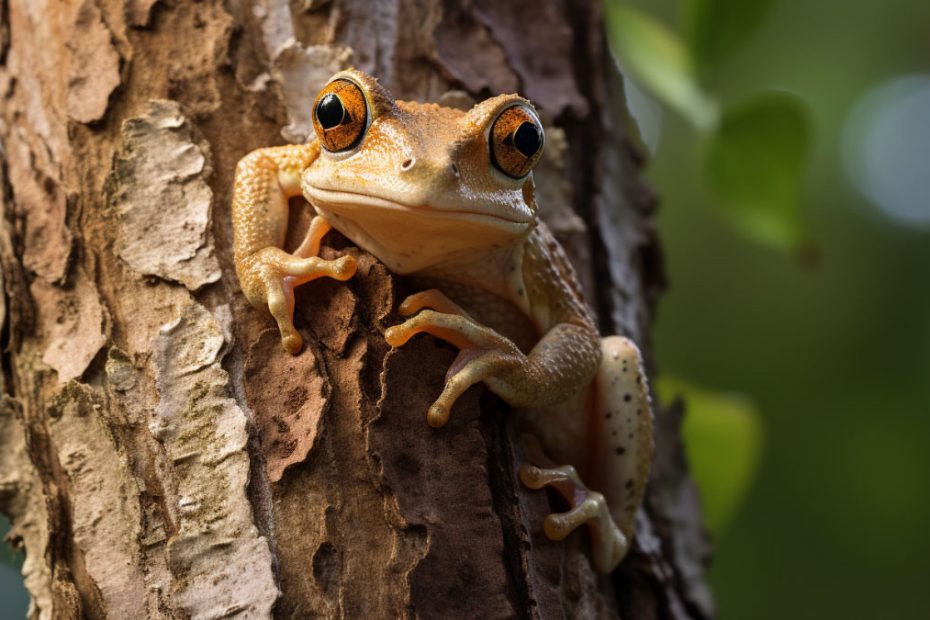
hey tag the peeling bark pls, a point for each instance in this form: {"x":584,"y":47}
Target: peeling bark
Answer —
{"x":162,"y":200}
{"x":160,"y":454}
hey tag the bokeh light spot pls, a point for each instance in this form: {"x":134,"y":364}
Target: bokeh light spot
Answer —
{"x":886,"y":148}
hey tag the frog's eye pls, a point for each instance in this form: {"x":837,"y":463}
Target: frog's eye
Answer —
{"x":516,"y":141}
{"x":340,"y":115}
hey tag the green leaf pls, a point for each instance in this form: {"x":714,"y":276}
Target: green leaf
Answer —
{"x":659,"y":61}
{"x":723,"y":440}
{"x":754,"y":162}
{"x":714,"y":29}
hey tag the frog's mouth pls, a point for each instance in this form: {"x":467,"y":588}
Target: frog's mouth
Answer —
{"x":344,"y":203}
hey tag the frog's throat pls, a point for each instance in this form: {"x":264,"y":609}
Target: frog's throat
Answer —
{"x":412,"y":239}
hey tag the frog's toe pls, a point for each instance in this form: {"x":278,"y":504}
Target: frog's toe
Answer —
{"x":587,"y":507}
{"x":396,"y":336}
{"x":438,"y":415}
{"x":281,"y":305}
{"x":434,"y":299}
{"x":456,"y":330}
{"x":343,"y":268}
{"x":559,"y":525}
{"x":292,"y":343}
{"x":537,"y":478}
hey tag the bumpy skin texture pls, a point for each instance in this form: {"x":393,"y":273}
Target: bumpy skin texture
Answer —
{"x":419,"y":190}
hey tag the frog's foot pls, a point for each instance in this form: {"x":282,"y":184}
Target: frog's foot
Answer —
{"x":483,"y":353}
{"x":270,"y":275}
{"x":608,"y":544}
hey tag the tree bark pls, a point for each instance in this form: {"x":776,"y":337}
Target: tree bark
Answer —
{"x":160,"y":454}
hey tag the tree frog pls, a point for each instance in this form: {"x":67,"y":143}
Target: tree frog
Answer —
{"x":446,"y":197}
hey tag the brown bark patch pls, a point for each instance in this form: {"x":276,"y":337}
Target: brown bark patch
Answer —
{"x":440,"y":480}
{"x":39,"y":197}
{"x":94,"y":66}
{"x":139,"y":12}
{"x":72,"y":322}
{"x":288,"y":415}
{"x":537,"y":42}
{"x":466,"y":50}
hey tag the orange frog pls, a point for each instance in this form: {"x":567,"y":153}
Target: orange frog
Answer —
{"x":445,"y":197}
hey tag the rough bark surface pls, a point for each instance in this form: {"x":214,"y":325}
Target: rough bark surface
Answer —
{"x":160,"y":454}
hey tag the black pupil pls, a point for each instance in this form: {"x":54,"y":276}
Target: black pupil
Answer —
{"x":329,"y":111}
{"x":527,"y":139}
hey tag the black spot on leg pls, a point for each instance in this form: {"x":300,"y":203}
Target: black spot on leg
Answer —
{"x":608,"y":415}
{"x":629,"y":483}
{"x":614,"y":433}
{"x":620,"y":450}
{"x":627,"y":398}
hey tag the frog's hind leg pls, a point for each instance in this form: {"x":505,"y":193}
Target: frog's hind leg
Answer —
{"x":620,"y":439}
{"x":624,"y":413}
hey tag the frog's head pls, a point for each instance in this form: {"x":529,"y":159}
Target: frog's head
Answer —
{"x":416,"y":183}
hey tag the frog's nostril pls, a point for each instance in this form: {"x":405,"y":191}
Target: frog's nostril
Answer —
{"x":408,"y":164}
{"x":455,"y":170}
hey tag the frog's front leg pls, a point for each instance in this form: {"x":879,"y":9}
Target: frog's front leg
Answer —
{"x":482,"y":351}
{"x":265,"y":180}
{"x":561,"y":363}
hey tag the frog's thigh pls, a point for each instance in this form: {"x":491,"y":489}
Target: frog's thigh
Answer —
{"x":622,"y":402}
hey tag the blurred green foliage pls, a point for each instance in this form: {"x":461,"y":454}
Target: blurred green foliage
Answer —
{"x":723,"y":440}
{"x":755,"y":148}
{"x":716,"y":29}
{"x":659,"y":59}
{"x":753,"y":162}
{"x":835,"y":354}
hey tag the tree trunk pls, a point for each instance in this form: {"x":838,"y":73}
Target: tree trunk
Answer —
{"x":162,"y":456}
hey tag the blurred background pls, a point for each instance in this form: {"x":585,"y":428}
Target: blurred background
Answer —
{"x":826,"y":341}
{"x":801,"y":338}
